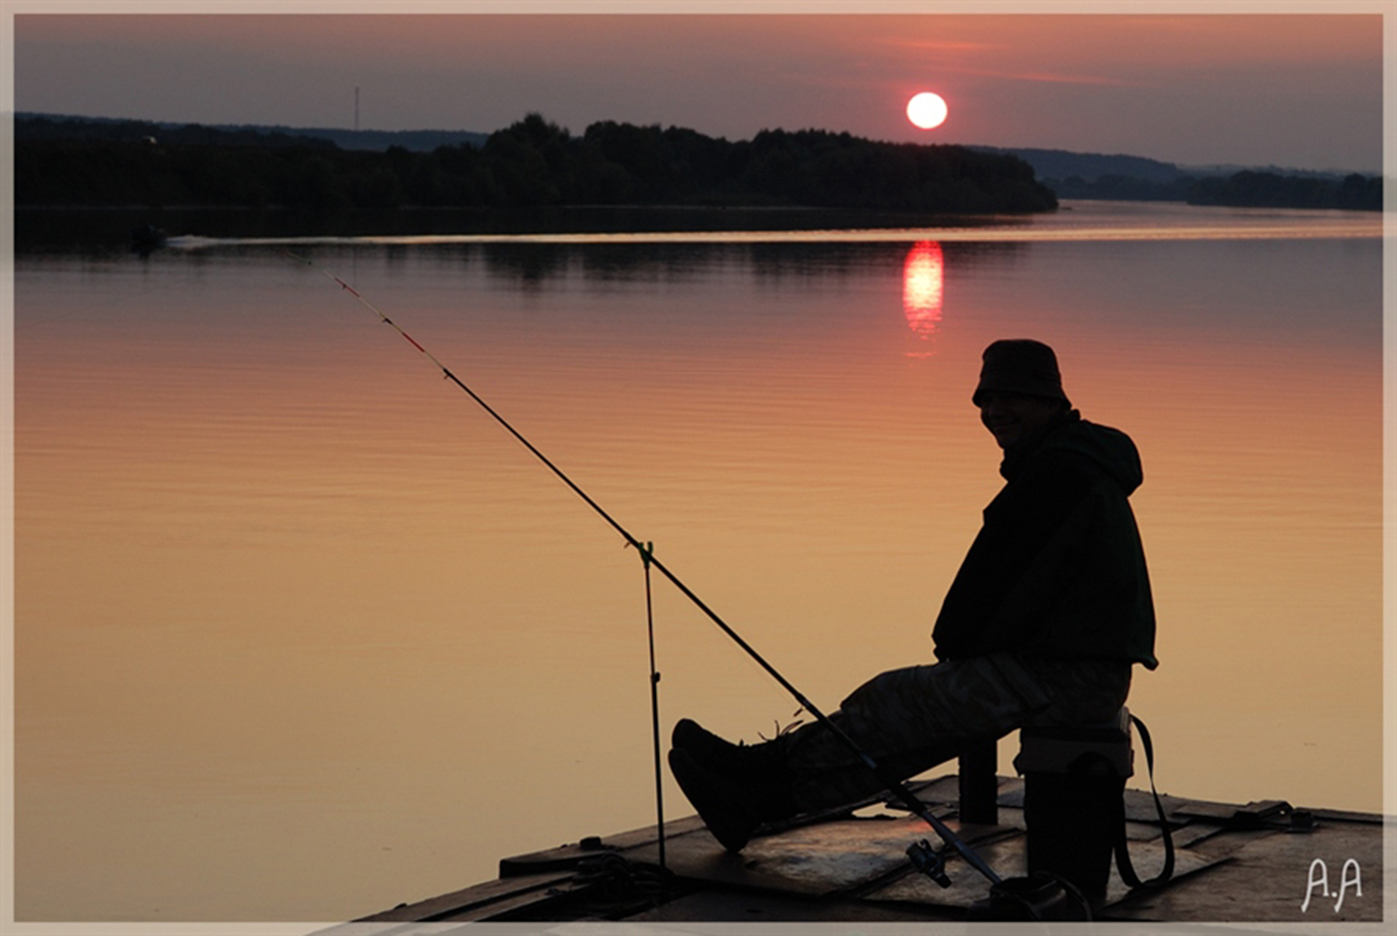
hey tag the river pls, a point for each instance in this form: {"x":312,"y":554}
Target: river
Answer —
{"x":302,"y":633}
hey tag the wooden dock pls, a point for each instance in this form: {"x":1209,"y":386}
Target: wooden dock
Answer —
{"x":1263,"y":862}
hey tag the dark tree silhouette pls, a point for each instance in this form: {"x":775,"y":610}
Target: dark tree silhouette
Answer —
{"x":532,"y":162}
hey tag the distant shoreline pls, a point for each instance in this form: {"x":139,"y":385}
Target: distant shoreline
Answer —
{"x":70,"y":227}
{"x":107,"y":231}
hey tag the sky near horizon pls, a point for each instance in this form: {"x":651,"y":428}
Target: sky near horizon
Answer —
{"x":1295,"y":90}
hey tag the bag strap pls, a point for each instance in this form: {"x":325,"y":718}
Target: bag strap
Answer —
{"x":1127,"y":870}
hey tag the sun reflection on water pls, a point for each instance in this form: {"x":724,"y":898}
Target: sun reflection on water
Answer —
{"x":923,"y":279}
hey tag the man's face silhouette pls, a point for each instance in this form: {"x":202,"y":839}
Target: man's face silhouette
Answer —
{"x":1012,"y":418}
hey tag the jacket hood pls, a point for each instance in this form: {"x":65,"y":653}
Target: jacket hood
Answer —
{"x":1112,"y":450}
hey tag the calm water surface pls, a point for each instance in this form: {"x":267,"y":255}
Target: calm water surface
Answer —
{"x":301,"y":633}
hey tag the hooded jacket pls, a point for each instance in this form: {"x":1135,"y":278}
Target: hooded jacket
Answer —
{"x":1057,"y":571}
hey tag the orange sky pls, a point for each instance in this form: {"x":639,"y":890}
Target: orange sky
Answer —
{"x":1299,"y":91}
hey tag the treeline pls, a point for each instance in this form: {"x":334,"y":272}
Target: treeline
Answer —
{"x":534,"y":163}
{"x":1249,"y":189}
{"x":1245,"y":189}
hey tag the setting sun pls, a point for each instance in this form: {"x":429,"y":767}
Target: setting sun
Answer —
{"x":927,"y":110}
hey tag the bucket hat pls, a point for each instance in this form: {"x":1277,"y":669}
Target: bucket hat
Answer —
{"x":1020,"y":366}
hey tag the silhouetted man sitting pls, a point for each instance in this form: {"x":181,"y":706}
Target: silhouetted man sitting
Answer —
{"x":1041,"y":626}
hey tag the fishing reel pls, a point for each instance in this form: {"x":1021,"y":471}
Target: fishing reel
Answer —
{"x":929,"y":861}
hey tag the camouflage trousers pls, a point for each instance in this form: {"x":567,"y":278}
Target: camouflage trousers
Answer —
{"x":911,"y":719}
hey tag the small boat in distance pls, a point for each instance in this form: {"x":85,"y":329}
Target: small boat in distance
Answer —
{"x":147,"y":239}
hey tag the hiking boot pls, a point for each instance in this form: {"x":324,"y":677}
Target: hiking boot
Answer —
{"x":734,"y":787}
{"x":702,"y":744}
{"x":737,"y":761}
{"x":728,"y":809}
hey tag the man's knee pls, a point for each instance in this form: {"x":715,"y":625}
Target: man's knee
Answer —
{"x":897,"y":688}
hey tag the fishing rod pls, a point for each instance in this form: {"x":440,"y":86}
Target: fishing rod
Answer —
{"x":931,"y":863}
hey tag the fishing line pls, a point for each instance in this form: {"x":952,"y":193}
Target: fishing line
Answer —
{"x":929,"y":862}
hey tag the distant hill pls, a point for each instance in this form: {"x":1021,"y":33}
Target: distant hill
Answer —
{"x":417,"y":141}
{"x":32,"y":126}
{"x":1062,"y":164}
{"x":1135,"y":178}
{"x":1091,"y":167}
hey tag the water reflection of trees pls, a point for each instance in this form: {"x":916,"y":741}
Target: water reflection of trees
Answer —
{"x":537,"y":263}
